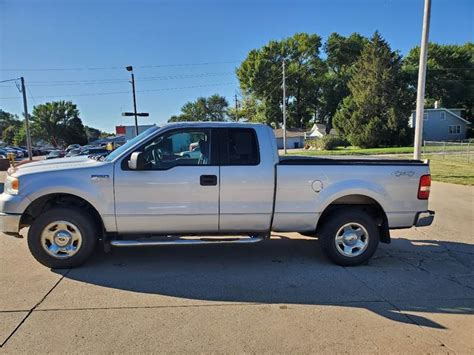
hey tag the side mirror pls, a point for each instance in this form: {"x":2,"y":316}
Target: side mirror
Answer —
{"x":136,"y":161}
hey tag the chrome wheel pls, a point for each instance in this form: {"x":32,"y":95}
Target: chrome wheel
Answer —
{"x":61,"y":239}
{"x":351,"y":240}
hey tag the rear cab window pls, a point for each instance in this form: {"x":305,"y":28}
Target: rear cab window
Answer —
{"x":239,"y":146}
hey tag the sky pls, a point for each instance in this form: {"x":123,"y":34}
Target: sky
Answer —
{"x":180,"y":50}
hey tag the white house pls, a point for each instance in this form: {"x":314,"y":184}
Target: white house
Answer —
{"x":294,"y":138}
{"x":319,"y":130}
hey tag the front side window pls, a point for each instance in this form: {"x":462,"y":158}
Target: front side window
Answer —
{"x":177,"y":148}
{"x":443,"y":115}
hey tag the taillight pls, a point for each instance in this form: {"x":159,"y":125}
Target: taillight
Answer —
{"x":424,"y":187}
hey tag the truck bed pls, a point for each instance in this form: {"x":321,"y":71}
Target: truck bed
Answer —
{"x":335,"y":160}
{"x":307,"y":185}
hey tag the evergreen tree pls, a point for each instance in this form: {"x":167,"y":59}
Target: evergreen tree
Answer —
{"x":377,"y":109}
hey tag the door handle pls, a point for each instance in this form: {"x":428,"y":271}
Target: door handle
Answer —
{"x":208,"y":180}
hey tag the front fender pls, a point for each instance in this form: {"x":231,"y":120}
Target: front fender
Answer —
{"x":94,"y":187}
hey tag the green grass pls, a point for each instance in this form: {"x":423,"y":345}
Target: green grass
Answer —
{"x":452,"y":168}
{"x":455,"y":170}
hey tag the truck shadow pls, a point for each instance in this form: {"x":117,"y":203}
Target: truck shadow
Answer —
{"x":406,"y":277}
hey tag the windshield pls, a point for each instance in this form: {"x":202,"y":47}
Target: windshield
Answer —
{"x":117,"y":152}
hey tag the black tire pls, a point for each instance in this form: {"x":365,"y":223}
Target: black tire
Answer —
{"x":335,"y":221}
{"x":79,"y":218}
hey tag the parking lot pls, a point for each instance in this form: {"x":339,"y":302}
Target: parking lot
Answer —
{"x":282,"y":295}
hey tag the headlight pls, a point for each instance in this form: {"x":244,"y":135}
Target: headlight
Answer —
{"x":12,"y":185}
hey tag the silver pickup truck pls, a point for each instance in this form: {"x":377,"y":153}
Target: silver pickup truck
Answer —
{"x":197,"y":183}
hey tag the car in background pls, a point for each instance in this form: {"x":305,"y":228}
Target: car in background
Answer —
{"x":24,"y":151}
{"x":18,"y":152}
{"x":55,"y":154}
{"x":94,"y":151}
{"x":74,"y":152}
{"x":72,"y":146}
{"x":87,"y":150}
{"x":36,"y":151}
{"x":3,"y":154}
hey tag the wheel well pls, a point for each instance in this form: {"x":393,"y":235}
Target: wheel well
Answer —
{"x":365,"y":203}
{"x":44,"y":203}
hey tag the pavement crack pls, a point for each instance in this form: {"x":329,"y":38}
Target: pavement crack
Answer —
{"x":33,"y":309}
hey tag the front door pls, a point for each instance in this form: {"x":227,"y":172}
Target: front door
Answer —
{"x":178,"y":190}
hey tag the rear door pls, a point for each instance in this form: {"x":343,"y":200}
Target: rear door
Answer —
{"x":246,"y":182}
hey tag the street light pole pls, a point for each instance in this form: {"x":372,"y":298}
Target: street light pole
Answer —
{"x":420,"y":92}
{"x":27,"y":124}
{"x":130,"y":69}
{"x":284,"y":108}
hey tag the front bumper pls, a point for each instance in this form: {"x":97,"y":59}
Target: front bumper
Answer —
{"x":10,"y":223}
{"x":424,"y":218}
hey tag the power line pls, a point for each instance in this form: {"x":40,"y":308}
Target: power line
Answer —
{"x":120,"y":67}
{"x":120,"y":81}
{"x":123,"y":92}
{"x":8,"y":80}
{"x":31,"y":95}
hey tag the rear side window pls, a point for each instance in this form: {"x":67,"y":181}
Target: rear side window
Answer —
{"x":240,"y":147}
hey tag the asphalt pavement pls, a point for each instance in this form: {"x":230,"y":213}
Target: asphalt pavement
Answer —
{"x":279,"y":296}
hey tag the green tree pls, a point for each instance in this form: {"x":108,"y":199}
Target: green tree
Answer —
{"x":8,"y":119}
{"x":58,"y":122}
{"x":8,"y":134}
{"x":449,"y":77}
{"x":342,"y":52}
{"x":377,"y":109}
{"x":75,"y":132}
{"x":250,"y":110}
{"x":213,"y":108}
{"x":92,"y":133}
{"x":260,"y":76}
{"x":20,"y":136}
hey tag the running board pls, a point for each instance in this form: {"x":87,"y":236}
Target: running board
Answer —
{"x":182,"y":241}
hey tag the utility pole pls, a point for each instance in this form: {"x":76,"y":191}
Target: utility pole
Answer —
{"x":130,"y":69}
{"x":27,"y":124}
{"x":420,"y":92}
{"x":236,"y":107}
{"x":284,"y":109}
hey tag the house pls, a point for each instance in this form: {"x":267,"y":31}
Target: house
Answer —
{"x":442,"y":124}
{"x":318,"y":131}
{"x":294,"y":138}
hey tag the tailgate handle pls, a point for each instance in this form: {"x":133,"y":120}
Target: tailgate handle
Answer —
{"x":208,"y":180}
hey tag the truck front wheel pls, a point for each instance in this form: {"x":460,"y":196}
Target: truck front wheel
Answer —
{"x":349,"y":237}
{"x":62,"y":238}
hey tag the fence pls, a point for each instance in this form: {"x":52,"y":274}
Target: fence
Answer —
{"x":450,"y":150}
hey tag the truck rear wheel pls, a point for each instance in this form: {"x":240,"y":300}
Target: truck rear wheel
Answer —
{"x":349,"y":237}
{"x":62,"y":238}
